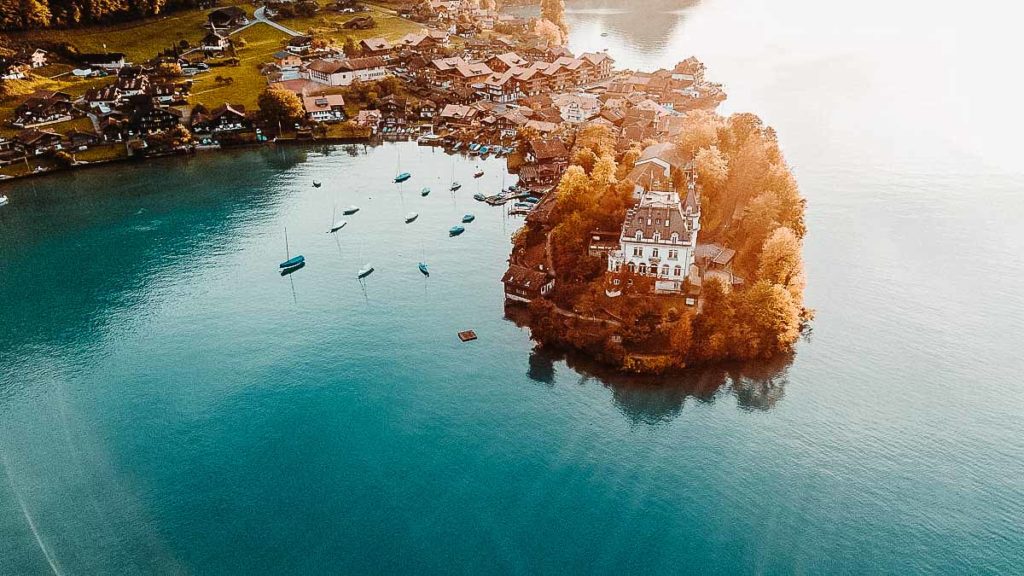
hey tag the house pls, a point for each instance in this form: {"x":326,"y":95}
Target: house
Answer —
{"x":427,"y":109}
{"x":324,"y":108}
{"x":523,"y":284}
{"x":458,"y":115}
{"x":11,"y":69}
{"x":35,"y":142}
{"x":131,"y":82}
{"x":145,"y":117}
{"x":376,"y":47}
{"x":659,"y":236}
{"x":43,"y":107}
{"x":658,"y":162}
{"x":602,"y":63}
{"x":38,"y":58}
{"x":421,"y":42}
{"x":9,"y":154}
{"x":300,"y":44}
{"x":215,"y":41}
{"x":500,"y":87}
{"x":541,"y":151}
{"x":105,"y":61}
{"x":224,"y":118}
{"x":369,"y":119}
{"x":287,"y":60}
{"x":507,"y":61}
{"x":80,"y":140}
{"x":227,"y":17}
{"x":714,"y":261}
{"x":344,"y":72}
{"x":576,"y":108}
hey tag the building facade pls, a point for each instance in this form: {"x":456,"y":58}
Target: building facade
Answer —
{"x":659,"y":236}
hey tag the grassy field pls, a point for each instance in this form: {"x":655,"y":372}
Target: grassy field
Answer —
{"x":139,"y":40}
{"x":329,"y":24}
{"x":261,"y":41}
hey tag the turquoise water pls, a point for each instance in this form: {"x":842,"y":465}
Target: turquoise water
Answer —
{"x":170,"y":404}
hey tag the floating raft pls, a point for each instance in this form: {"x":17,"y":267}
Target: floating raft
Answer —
{"x":467,"y":335}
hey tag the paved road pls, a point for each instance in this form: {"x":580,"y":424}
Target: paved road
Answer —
{"x":260,"y":15}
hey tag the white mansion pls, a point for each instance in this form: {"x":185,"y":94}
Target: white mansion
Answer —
{"x":659,"y":235}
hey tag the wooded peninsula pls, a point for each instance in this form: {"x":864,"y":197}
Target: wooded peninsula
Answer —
{"x":631,"y":286}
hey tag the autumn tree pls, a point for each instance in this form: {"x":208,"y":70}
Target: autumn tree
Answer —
{"x":767,"y":321}
{"x":554,"y":11}
{"x":781,"y":262}
{"x":351,"y":49}
{"x":280,"y":106}
{"x":549,"y":32}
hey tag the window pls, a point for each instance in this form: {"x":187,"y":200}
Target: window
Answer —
{"x":615,"y":281}
{"x":654,"y":253}
{"x":673,"y":254}
{"x":678,"y":271}
{"x":664,"y":270}
{"x":643,"y":268}
{"x":657,"y":236}
{"x":675,"y":237}
{"x":639,"y":235}
{"x":638,"y":252}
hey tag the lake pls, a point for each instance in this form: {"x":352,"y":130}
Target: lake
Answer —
{"x":170,"y":404}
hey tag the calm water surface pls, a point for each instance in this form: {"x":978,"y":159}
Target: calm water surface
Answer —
{"x":169,"y":404}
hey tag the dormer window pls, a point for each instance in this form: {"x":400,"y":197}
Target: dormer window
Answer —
{"x":675,"y":237}
{"x":639,"y":235}
{"x":657,"y":236}
{"x":648,"y":221}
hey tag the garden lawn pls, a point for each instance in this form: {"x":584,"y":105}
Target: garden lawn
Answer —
{"x":329,"y":24}
{"x":247,"y":82}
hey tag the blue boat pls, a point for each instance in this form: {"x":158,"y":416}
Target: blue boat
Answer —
{"x":296,"y":268}
{"x":424,"y":191}
{"x":531,"y":199}
{"x":468,"y":218}
{"x":423,"y":269}
{"x":402,"y":177}
{"x":474,"y":147}
{"x":484,"y":150}
{"x":293,"y":262}
{"x":526,"y":205}
{"x":479,"y":197}
{"x":456,"y":230}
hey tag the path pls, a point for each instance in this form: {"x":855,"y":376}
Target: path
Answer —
{"x":260,"y":15}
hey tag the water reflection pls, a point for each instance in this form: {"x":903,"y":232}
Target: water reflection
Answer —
{"x":658,"y":399}
{"x":756,"y":386}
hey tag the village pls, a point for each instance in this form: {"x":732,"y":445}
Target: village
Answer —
{"x":460,"y":74}
{"x":473,"y":80}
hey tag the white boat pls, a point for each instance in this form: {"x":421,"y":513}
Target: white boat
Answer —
{"x":411,"y":216}
{"x":3,"y":200}
{"x":338,"y":225}
{"x":350,"y":210}
{"x":365,"y":271}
